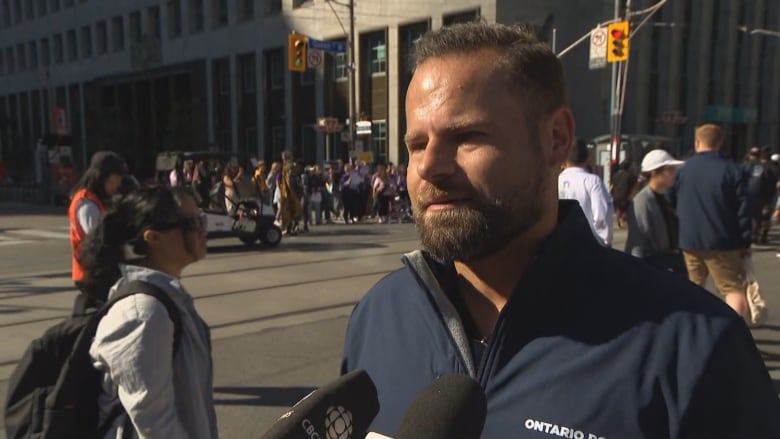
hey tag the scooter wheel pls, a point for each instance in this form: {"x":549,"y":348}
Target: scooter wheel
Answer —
{"x":271,"y":236}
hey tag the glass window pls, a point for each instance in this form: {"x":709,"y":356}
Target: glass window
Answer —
{"x":118,"y":33}
{"x":33,"y":49}
{"x":275,"y":6}
{"x":220,"y":8}
{"x":246,"y":10}
{"x":155,"y":27}
{"x":86,"y":41}
{"x":196,"y":16}
{"x":174,"y":18}
{"x":2,"y":67}
{"x":73,"y":54}
{"x":135,"y":26}
{"x":45,"y":52}
{"x":17,"y":11}
{"x":29,"y":10}
{"x":7,"y":13}
{"x":223,"y":75}
{"x":307,"y":77}
{"x":10,"y":59}
{"x":379,"y":138}
{"x":102,"y":38}
{"x":248,"y":76}
{"x":378,"y":54}
{"x":59,"y":50}
{"x":41,"y":7}
{"x":277,"y":70}
{"x":340,"y":65}
{"x":68,"y":3}
{"x":277,"y":138}
{"x":54,"y":5}
{"x":21,"y":57}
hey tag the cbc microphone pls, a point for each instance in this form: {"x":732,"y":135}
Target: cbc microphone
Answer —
{"x":453,"y":406}
{"x":342,"y":409}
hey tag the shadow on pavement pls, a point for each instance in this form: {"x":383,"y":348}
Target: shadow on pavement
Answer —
{"x":260,"y":396}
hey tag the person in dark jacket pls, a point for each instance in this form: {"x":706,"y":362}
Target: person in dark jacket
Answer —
{"x":710,"y":195}
{"x":567,"y":338}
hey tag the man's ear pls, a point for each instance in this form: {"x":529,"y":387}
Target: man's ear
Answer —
{"x":151,"y":238}
{"x":561,"y":126}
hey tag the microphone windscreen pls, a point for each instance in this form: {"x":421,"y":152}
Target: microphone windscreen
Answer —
{"x":342,"y":409}
{"x":453,"y":406}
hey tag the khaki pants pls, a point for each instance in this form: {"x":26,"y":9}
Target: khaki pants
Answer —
{"x":727,"y":268}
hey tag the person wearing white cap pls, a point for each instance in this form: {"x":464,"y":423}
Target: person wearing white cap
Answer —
{"x":652,"y":221}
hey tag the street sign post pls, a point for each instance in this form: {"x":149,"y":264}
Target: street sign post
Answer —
{"x":328,"y":46}
{"x":598,"y":48}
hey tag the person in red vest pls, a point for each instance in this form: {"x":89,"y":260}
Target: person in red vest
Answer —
{"x":89,"y":201}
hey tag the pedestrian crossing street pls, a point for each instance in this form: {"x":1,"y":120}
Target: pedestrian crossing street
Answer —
{"x":11,"y":237}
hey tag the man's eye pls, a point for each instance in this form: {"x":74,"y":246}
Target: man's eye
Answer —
{"x":412,"y":147}
{"x":468,"y":136}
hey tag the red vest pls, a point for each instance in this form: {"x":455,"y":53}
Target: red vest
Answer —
{"x":76,"y":232}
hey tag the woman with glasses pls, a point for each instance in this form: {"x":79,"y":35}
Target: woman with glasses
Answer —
{"x":164,"y":387}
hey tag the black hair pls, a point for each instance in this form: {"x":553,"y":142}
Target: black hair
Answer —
{"x":579,"y":152}
{"x":117,"y":238}
{"x":102,"y":165}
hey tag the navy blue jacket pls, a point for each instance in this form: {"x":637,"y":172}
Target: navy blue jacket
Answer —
{"x":592,"y":342}
{"x":710,"y":195}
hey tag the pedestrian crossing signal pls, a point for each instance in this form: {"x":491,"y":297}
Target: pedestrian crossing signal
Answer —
{"x":297,"y":45}
{"x":617,"y":47}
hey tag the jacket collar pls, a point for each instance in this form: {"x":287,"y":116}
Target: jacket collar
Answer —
{"x":169,"y":283}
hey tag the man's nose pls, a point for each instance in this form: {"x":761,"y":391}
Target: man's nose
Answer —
{"x":437,"y":161}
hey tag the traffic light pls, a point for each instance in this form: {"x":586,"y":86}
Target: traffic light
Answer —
{"x":617,"y":47}
{"x":297,"y":52}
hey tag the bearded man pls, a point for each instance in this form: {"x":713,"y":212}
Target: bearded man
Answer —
{"x":566,"y":337}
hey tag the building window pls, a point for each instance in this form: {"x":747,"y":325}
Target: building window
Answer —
{"x":461,"y":17}
{"x":251,"y":139}
{"x":224,"y":77}
{"x":248,"y":75}
{"x":73,"y":54}
{"x":379,"y":138}
{"x":102,"y":38}
{"x":10,"y":59}
{"x":33,"y":49}
{"x":174,"y":18}
{"x":2,"y":67}
{"x":274,"y":7}
{"x":21,"y":57}
{"x":220,"y":11}
{"x":277,"y":138}
{"x":135,"y":27}
{"x":340,"y":65}
{"x":378,"y":54}
{"x":59,"y":51}
{"x":307,"y":77}
{"x":7,"y":13}
{"x":196,"y":16}
{"x":54,"y":5}
{"x":86,"y":42}
{"x":45,"y":52}
{"x":68,"y":3}
{"x":277,"y":70}
{"x":246,"y":10}
{"x":17,"y":11}
{"x":41,"y":7}
{"x":29,"y":9}
{"x":118,"y":33}
{"x":155,"y":27}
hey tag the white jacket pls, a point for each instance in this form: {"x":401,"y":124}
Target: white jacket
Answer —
{"x":134,"y":347}
{"x":578,"y":184}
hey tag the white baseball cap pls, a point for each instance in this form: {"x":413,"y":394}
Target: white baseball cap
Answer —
{"x":658,"y":158}
{"x":775,"y":157}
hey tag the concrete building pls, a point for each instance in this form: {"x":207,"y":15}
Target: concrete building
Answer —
{"x":697,"y":60}
{"x":142,"y":76}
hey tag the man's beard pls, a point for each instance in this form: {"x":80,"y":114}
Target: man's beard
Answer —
{"x":483,"y":225}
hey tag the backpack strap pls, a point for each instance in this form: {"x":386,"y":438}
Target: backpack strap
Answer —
{"x":141,"y":287}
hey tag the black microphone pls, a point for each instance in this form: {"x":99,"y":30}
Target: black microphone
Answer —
{"x":342,"y":409}
{"x":453,"y":406}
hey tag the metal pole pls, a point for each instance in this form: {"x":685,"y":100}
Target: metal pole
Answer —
{"x":352,"y":83}
{"x":613,"y":102}
{"x":554,"y":39}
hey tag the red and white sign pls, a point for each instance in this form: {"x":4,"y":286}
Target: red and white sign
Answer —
{"x":329,"y":125}
{"x":60,"y":123}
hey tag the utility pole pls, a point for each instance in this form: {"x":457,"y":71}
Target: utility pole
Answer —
{"x":352,"y":82}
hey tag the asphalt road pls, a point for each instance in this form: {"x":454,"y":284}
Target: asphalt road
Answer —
{"x":278,"y":316}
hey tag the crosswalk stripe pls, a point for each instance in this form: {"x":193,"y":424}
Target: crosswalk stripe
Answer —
{"x":36,"y":233}
{"x":17,"y":242}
